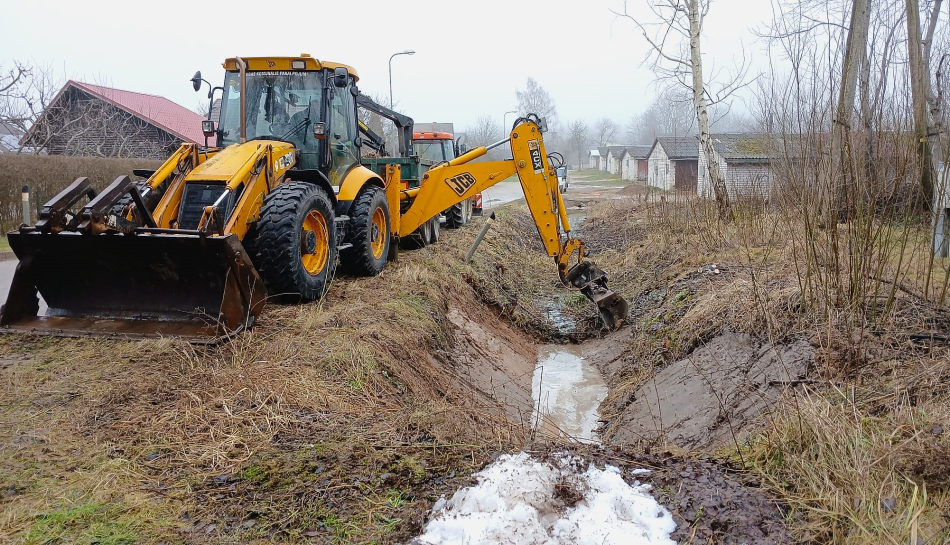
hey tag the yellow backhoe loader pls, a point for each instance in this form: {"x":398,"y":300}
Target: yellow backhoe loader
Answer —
{"x":197,"y":248}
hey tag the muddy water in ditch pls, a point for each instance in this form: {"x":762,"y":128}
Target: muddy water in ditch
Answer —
{"x":567,"y":392}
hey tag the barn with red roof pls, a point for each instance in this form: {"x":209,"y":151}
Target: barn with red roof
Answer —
{"x":92,"y":120}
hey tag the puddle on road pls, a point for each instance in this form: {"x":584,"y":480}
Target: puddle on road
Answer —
{"x":567,"y":392}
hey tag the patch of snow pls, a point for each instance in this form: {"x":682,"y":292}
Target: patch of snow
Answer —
{"x":521,"y":500}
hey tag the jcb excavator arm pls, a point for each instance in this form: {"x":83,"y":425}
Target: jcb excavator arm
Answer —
{"x":403,"y":123}
{"x":452,"y":182}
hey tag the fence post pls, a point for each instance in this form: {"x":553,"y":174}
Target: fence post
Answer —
{"x":26,"y":205}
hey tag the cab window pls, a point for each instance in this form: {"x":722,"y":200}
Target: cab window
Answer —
{"x":343,"y":133}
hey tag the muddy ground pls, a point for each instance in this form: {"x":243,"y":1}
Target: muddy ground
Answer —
{"x":344,"y":421}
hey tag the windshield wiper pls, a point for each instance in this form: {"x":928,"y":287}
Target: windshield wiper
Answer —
{"x":303,"y":123}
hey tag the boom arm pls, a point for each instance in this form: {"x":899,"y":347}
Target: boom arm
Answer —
{"x":403,"y":123}
{"x":450,"y":183}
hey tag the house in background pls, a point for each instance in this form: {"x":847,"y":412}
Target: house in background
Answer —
{"x":92,"y":120}
{"x":673,"y":163}
{"x":594,"y":159}
{"x":634,"y":163}
{"x":613,"y":158}
{"x":745,"y":161}
{"x":9,"y":138}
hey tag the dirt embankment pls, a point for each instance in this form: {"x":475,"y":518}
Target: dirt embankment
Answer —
{"x":706,"y":400}
{"x":341,"y":421}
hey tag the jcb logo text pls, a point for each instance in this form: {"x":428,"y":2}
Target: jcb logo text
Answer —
{"x":461,"y":183}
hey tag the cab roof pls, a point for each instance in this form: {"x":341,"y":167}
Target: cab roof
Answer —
{"x":283,"y":63}
{"x":433,"y":136}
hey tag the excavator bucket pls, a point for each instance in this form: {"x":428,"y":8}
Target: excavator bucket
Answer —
{"x":151,"y":283}
{"x":592,"y":282}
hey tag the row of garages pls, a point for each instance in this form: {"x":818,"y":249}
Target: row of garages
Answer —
{"x":676,"y":163}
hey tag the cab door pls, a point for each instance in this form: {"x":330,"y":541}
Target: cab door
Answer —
{"x":343,"y":132}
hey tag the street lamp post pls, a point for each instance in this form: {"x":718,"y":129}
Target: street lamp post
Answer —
{"x":504,"y":120}
{"x":406,"y":52}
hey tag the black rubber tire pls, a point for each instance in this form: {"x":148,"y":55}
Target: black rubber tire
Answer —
{"x":359,"y":260}
{"x":435,"y":231}
{"x":277,"y":243}
{"x":418,"y":239}
{"x":455,"y":216}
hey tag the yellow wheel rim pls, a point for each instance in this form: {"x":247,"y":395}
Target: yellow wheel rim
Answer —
{"x":315,"y":257}
{"x":378,"y":233}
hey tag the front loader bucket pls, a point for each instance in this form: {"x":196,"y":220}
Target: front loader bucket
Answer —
{"x":203,"y":289}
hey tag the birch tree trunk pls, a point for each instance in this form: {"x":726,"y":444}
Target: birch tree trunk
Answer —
{"x":919,"y":56}
{"x":702,"y":116}
{"x":855,"y":54}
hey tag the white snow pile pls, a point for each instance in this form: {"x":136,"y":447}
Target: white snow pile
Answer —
{"x":524,"y":501}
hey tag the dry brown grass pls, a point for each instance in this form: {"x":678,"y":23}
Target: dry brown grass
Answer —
{"x":861,"y":436}
{"x":347,"y":384}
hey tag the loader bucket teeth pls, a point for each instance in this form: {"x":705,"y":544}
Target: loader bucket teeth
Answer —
{"x":204,"y":289}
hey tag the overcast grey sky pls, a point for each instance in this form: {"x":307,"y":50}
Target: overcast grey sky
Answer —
{"x":470,"y":57}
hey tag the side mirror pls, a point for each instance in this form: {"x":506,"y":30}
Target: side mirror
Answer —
{"x":340,"y":75}
{"x":320,"y":130}
{"x":463,"y":148}
{"x":196,"y":81}
{"x":207,"y":128}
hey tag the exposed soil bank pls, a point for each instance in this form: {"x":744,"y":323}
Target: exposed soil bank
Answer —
{"x":707,"y":399}
{"x":493,"y":358}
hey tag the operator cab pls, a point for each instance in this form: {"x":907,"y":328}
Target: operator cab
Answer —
{"x":433,"y":146}
{"x":305,"y":102}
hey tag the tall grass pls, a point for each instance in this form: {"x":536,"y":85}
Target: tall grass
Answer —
{"x":841,"y":252}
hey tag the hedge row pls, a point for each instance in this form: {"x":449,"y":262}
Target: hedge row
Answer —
{"x":47,"y":175}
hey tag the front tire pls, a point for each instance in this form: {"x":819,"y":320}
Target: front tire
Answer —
{"x":369,"y":233}
{"x":295,"y":243}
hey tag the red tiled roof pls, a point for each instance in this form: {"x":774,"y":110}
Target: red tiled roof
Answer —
{"x":157,"y":110}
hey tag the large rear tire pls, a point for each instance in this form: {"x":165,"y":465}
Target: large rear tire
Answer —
{"x":369,"y":233}
{"x":295,"y":243}
{"x":418,"y":239}
{"x":456,"y":216}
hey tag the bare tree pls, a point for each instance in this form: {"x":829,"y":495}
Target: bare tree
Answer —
{"x":202,"y":107}
{"x":535,"y":100}
{"x":634,"y":128}
{"x":854,"y":56}
{"x":919,"y":50}
{"x":670,"y":114}
{"x":25,"y":94}
{"x":485,"y":131}
{"x":604,"y":130}
{"x":674,"y":38}
{"x":579,"y":138}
